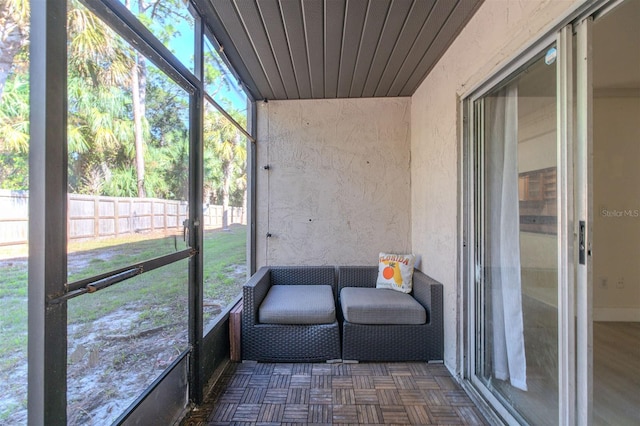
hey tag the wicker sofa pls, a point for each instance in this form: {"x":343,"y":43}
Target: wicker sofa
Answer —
{"x":291,"y":335}
{"x":394,"y":342}
{"x":280,"y":338}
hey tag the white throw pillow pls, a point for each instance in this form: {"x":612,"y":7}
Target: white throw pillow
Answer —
{"x":395,"y":272}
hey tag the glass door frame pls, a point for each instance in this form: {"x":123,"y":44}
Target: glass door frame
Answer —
{"x":48,"y":289}
{"x":566,"y":231}
{"x":584,"y":212}
{"x":572,"y":36}
{"x":583,"y":190}
{"x":473,"y":232}
{"x":574,"y":288}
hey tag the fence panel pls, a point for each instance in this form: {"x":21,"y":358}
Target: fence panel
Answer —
{"x":14,"y":214}
{"x":91,"y":217}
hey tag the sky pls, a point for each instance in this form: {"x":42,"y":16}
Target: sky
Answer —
{"x":182,"y":46}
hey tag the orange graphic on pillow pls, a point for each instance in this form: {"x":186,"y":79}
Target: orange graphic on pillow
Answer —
{"x":388,"y":272}
{"x":392,"y":271}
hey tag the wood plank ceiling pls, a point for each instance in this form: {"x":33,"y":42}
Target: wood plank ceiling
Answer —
{"x":315,"y":49}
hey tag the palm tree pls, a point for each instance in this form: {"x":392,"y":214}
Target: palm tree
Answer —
{"x":14,"y":134}
{"x":138,"y":93}
{"x":14,"y":115}
{"x":99,"y":124}
{"x":226,"y":143}
{"x":148,"y":12}
{"x":14,"y":94}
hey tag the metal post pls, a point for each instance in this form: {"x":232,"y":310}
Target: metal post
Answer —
{"x":584,"y":203}
{"x":566,"y":263}
{"x":252,"y":167}
{"x":196,"y":388}
{"x":47,"y":344}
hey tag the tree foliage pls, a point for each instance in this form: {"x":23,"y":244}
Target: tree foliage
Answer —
{"x":101,"y":133}
{"x":14,"y":30}
{"x":225,"y":161}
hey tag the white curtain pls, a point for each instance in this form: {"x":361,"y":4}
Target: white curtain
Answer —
{"x":503,"y":236}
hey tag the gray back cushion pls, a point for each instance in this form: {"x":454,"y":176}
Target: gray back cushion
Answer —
{"x":380,"y":306}
{"x":298,"y":304}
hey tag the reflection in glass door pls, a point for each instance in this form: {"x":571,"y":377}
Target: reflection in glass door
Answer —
{"x":614,"y":195}
{"x":516,"y":233}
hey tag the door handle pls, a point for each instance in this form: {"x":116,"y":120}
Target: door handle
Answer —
{"x":582,"y":245}
{"x":185,"y":231}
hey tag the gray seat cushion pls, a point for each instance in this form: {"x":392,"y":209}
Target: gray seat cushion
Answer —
{"x":380,"y":306}
{"x":298,"y":304}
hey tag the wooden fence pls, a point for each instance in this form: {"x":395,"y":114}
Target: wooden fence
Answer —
{"x":90,"y":217}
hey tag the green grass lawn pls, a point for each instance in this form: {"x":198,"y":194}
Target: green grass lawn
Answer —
{"x":225,"y":267}
{"x":158,"y":298}
{"x":13,"y":313}
{"x":224,"y":253}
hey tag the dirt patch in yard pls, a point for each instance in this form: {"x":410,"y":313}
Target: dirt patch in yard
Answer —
{"x":113,"y":358}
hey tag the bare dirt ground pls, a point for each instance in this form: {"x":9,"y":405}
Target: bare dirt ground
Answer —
{"x":111,"y":360}
{"x":109,"y":365}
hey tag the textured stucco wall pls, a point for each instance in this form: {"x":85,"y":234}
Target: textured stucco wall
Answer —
{"x":498,"y":30}
{"x":337,"y":191}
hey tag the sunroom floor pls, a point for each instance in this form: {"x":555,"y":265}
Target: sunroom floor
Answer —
{"x":252,"y":393}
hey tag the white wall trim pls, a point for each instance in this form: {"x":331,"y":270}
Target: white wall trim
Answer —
{"x":616,"y":314}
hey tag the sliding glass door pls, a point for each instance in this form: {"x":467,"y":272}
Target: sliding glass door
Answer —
{"x":516,"y":285}
{"x":521,"y":217}
{"x":551,"y":148}
{"x":608,"y":288}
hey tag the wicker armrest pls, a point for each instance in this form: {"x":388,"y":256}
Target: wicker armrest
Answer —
{"x":253,"y":293}
{"x":357,"y":276}
{"x":428,"y":292}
